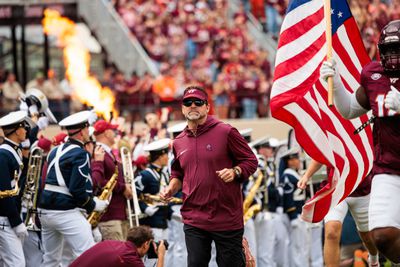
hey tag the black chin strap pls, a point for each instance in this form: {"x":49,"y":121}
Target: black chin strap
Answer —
{"x":74,"y":133}
{"x":21,"y":124}
{"x":10,"y":133}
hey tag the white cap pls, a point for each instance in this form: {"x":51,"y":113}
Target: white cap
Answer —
{"x":291,"y":152}
{"x":283,"y":142}
{"x":77,"y":121}
{"x":259,"y":141}
{"x":246,"y":132}
{"x":273,"y":142}
{"x":13,"y":119}
{"x":265,"y":141}
{"x":40,"y":99}
{"x":159,"y":145}
{"x":177,"y":128}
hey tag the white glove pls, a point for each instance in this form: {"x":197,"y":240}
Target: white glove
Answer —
{"x":33,"y":110}
{"x":42,"y":123}
{"x":97,"y":235}
{"x":26,"y":143}
{"x":279,"y":210}
{"x":93,"y":117}
{"x":392,"y":100}
{"x":23,"y":106}
{"x":101,"y":205}
{"x":150,"y":210}
{"x":295,"y":223}
{"x":21,"y":231}
{"x":328,"y":69}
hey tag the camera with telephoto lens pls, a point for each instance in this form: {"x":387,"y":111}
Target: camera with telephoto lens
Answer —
{"x":152,"y":252}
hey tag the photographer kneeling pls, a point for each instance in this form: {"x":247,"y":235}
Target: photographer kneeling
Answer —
{"x":122,"y":253}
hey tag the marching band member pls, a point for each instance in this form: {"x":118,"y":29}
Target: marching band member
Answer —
{"x":15,"y":126}
{"x":151,"y":181}
{"x":246,"y":134}
{"x":293,"y":200}
{"x":113,"y":224}
{"x":68,"y":189}
{"x":273,"y":248}
{"x":249,"y":228}
{"x":177,"y":255}
{"x":266,"y":147}
{"x":33,"y":248}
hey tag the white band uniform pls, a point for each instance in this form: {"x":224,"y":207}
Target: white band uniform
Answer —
{"x":11,"y":247}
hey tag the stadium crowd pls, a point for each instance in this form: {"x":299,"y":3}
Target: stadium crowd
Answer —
{"x":190,"y":42}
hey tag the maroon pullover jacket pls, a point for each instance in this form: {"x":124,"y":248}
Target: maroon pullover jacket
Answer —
{"x":210,"y":203}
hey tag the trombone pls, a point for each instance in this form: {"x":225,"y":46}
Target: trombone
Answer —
{"x":129,"y":179}
{"x":30,"y":194}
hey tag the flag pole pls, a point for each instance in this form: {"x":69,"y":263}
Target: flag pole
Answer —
{"x":328,"y":36}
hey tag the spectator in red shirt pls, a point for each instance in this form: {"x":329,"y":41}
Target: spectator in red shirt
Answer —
{"x":113,"y":222}
{"x":122,"y":253}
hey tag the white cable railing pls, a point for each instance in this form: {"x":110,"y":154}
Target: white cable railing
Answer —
{"x":114,"y":36}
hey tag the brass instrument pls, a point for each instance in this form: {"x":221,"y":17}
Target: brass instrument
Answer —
{"x":13,"y":192}
{"x":95,"y":216}
{"x":30,"y":195}
{"x":129,"y":179}
{"x":253,"y":210}
{"x":155,"y":200}
{"x":248,"y":211}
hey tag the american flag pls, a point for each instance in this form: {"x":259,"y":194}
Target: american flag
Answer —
{"x":299,"y":97}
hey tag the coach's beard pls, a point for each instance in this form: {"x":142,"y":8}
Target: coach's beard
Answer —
{"x":193,"y":116}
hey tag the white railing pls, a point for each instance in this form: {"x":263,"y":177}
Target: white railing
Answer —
{"x":114,"y":36}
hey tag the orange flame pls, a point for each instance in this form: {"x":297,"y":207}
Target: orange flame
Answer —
{"x":77,"y":62}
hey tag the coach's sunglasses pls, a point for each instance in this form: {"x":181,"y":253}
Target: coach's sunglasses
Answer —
{"x":189,"y":102}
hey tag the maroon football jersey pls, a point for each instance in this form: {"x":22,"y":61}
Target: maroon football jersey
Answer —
{"x":386,"y":129}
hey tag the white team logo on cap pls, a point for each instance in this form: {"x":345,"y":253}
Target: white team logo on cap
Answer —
{"x":376,"y":76}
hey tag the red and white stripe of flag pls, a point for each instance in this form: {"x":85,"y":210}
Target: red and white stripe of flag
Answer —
{"x":299,"y":98}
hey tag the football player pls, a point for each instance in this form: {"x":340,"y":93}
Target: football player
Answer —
{"x":379,"y":92}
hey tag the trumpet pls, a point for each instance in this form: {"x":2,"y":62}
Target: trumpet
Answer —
{"x":156,"y":200}
{"x":95,"y":216}
{"x":13,"y":192}
{"x":30,"y":194}
{"x":128,"y":176}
